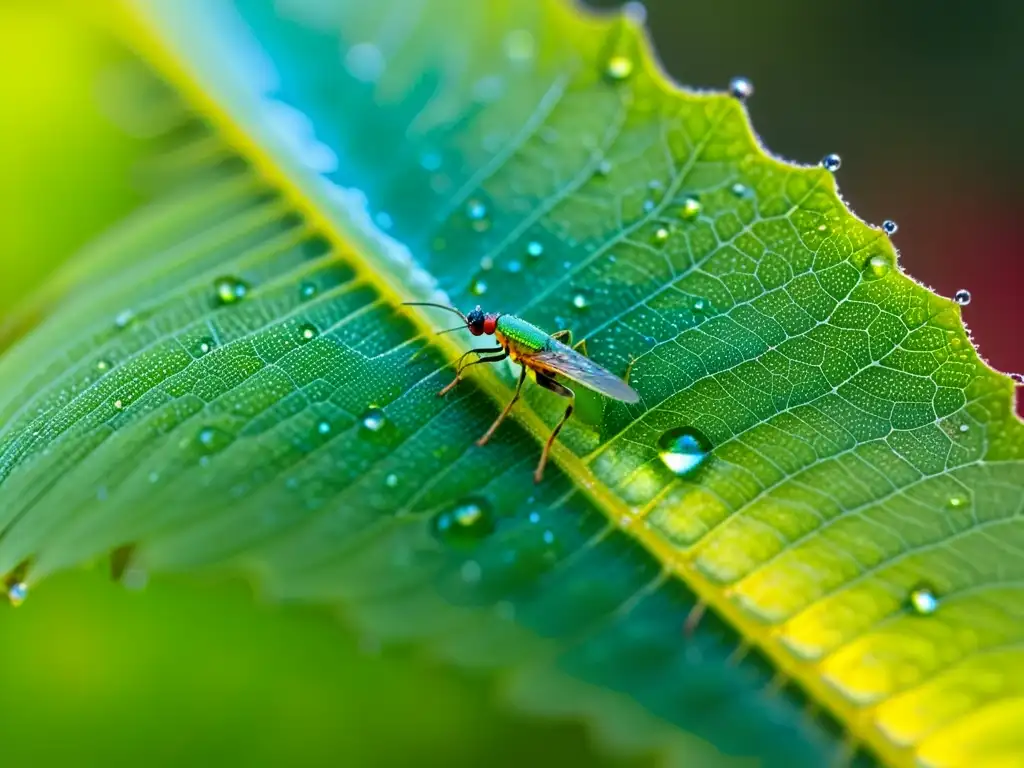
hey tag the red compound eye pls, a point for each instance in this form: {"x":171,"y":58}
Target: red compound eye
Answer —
{"x":490,"y":323}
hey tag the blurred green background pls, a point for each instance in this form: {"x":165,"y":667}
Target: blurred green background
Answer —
{"x":921,"y":104}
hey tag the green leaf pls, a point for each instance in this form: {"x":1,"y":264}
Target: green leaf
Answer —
{"x":232,"y":383}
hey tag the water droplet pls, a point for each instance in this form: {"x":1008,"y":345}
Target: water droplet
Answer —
{"x":604,"y":168}
{"x":17,"y":593}
{"x":698,"y":305}
{"x":374,"y":419}
{"x":230,"y":290}
{"x":890,"y":227}
{"x":308,"y":332}
{"x":548,"y":536}
{"x":123,"y":319}
{"x":307,"y":291}
{"x":741,"y":88}
{"x":962,"y":297}
{"x":618,"y":68}
{"x":383,"y":220}
{"x":213,"y":439}
{"x":513,"y":266}
{"x":486,"y":263}
{"x":103,"y":366}
{"x":955,"y":502}
{"x":879,"y":266}
{"x":323,"y":427}
{"x":580,"y":301}
{"x":534,"y":249}
{"x":519,"y":45}
{"x":391,"y":481}
{"x":1017,"y":378}
{"x":923,"y":601}
{"x":467,"y":522}
{"x":660,"y":235}
{"x":832,"y":162}
{"x":202,"y":347}
{"x":154,"y":477}
{"x":691,"y":209}
{"x":476,"y":210}
{"x":534,"y":517}
{"x":478,"y":287}
{"x":740,"y":190}
{"x":119,"y":404}
{"x":683,"y":449}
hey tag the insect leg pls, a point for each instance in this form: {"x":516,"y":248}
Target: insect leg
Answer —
{"x":560,"y":389}
{"x":458,"y":373}
{"x":501,"y":417}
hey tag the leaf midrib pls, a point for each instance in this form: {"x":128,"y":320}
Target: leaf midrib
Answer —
{"x":131,"y":25}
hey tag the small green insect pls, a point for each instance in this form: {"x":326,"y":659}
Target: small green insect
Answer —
{"x":539,"y":353}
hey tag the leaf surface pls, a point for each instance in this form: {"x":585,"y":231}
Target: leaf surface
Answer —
{"x":232,"y":383}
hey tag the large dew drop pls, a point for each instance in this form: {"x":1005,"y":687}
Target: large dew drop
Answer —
{"x":374,"y":419}
{"x":890,"y":227}
{"x":683,"y":449}
{"x":962,"y":297}
{"x":466,"y":523}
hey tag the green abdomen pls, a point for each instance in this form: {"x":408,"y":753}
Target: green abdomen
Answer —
{"x":521,"y":333}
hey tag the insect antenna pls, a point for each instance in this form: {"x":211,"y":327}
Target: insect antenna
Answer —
{"x":450,"y":330}
{"x":437,"y":306}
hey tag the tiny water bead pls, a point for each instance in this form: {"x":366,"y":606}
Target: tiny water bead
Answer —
{"x":374,"y":419}
{"x":739,"y":189}
{"x":741,"y":88}
{"x":955,"y":502}
{"x":604,"y":168}
{"x":476,"y":210}
{"x":890,"y":227}
{"x":307,"y":291}
{"x":124,"y":318}
{"x":230,"y":290}
{"x":683,"y":449}
{"x":831,"y":162}
{"x":962,"y":297}
{"x":690,"y":209}
{"x":202,"y":347}
{"x":534,"y":249}
{"x":580,"y":301}
{"x":923,"y":601}
{"x":878,"y":266}
{"x":103,"y":366}
{"x":513,"y":266}
{"x":308,"y":332}
{"x":660,"y":235}
{"x":1017,"y":378}
{"x":486,"y":263}
{"x":618,"y":68}
{"x":17,"y":593}
{"x":467,"y":522}
{"x":323,"y":427}
{"x":478,"y":287}
{"x":391,"y":481}
{"x":213,"y":439}
{"x":119,"y":404}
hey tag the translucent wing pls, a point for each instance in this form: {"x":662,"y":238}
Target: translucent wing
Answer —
{"x":558,"y":358}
